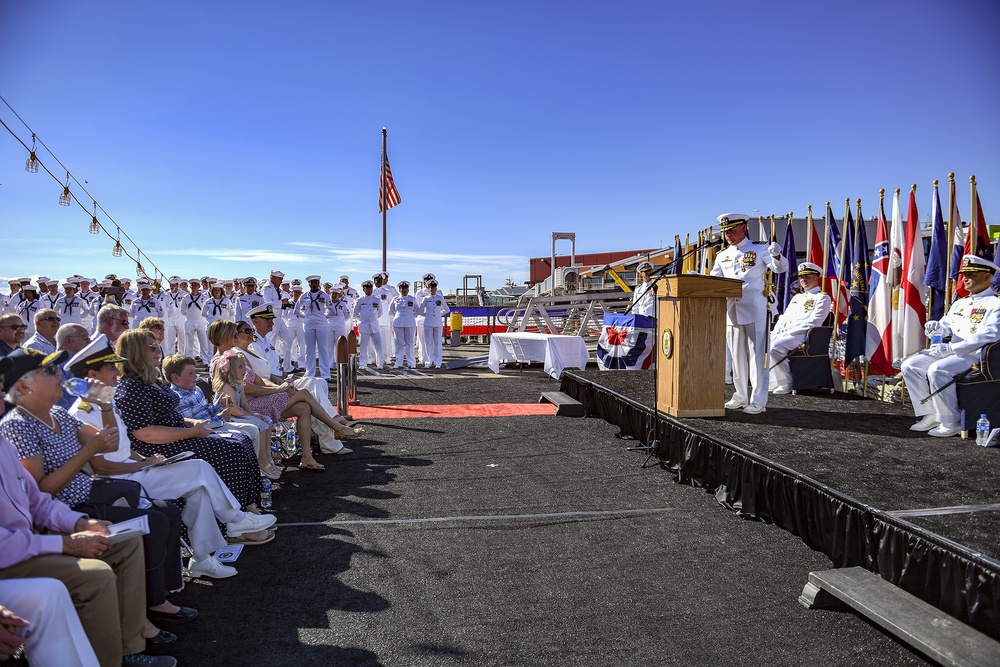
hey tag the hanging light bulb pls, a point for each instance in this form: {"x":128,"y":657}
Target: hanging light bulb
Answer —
{"x":64,"y":198}
{"x":117,"y":250}
{"x":139,"y":271}
{"x":95,"y":226}
{"x":31,"y":166}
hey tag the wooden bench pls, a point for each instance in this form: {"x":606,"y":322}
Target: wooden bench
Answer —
{"x":924,"y":628}
{"x":566,"y":406}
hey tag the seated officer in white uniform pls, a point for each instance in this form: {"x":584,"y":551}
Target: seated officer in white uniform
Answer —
{"x":644,"y":296}
{"x":971,"y":322}
{"x":746,"y":317}
{"x":806,"y":310}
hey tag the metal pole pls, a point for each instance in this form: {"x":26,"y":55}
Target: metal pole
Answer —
{"x":384,"y":199}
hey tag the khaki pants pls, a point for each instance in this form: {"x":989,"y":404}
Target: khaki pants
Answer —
{"x":103,"y":591}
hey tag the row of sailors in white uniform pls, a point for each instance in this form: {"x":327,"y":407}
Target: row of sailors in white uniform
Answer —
{"x":187,"y":313}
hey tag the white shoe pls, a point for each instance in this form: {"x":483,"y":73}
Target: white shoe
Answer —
{"x":753,"y":409}
{"x":210,"y":567}
{"x":783,"y":389}
{"x":735,"y":404}
{"x":250,"y":523}
{"x":946,"y":430}
{"x":925,"y":424}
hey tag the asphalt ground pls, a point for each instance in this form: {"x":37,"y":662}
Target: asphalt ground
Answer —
{"x":523,"y":540}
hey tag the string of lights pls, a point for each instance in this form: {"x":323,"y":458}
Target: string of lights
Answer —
{"x":67,"y":198}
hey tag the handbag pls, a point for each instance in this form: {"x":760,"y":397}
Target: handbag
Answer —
{"x":109,"y":490}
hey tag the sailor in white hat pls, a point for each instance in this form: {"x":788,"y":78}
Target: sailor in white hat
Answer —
{"x":195,"y":324}
{"x":807,"y":309}
{"x":746,"y":316}
{"x":294,"y":320}
{"x":247,"y":301}
{"x":145,"y":305}
{"x":217,"y":306}
{"x":339,"y":317}
{"x":28,"y":306}
{"x":281,"y":337}
{"x":971,"y":323}
{"x":173,"y":318}
{"x":419,"y":295}
{"x":644,"y":295}
{"x":70,"y":307}
{"x":386,"y":293}
{"x":51,"y":294}
{"x":367,"y":311}
{"x":432,"y":309}
{"x":312,"y":307}
{"x":403,"y":310}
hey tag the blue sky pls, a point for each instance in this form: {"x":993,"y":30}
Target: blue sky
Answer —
{"x":230,"y":138}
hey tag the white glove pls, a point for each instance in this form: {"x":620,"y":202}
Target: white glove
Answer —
{"x":940,"y":349}
{"x":932,"y":328}
{"x":774,"y":249}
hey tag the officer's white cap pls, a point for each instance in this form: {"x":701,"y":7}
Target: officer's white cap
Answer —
{"x":311,"y":278}
{"x":975,"y":263}
{"x":809,"y":269}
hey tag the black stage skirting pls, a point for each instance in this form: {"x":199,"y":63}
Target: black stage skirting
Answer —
{"x":953,"y":578}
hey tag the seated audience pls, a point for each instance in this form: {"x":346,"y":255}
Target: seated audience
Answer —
{"x":38,"y":614}
{"x":12,"y":333}
{"x":104,"y":580}
{"x":44,"y":339}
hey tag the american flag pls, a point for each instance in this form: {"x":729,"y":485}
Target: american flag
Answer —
{"x":388,"y":195}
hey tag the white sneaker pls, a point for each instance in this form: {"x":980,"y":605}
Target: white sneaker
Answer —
{"x":783,"y":389}
{"x":753,"y":409}
{"x":946,"y":430}
{"x":250,"y":523}
{"x":735,"y":404}
{"x":925,"y":424}
{"x":210,"y":567}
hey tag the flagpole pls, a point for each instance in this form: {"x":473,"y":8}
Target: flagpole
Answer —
{"x":826,"y":259}
{"x":974,"y":218}
{"x":809,"y":232}
{"x":861,"y":369}
{"x":951,"y":239}
{"x":385,"y":195}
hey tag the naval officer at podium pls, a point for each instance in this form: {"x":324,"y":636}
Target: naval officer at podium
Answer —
{"x":746,"y":317}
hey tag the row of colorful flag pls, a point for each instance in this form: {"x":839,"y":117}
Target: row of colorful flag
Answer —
{"x":881,"y":301}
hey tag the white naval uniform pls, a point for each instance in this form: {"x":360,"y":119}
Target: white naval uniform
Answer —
{"x":174,"y":338}
{"x":195,"y":327}
{"x":72,"y":310}
{"x":217,"y":309}
{"x":339,"y":317}
{"x":27,"y":309}
{"x":297,"y":348}
{"x":746,"y":317}
{"x":206,"y":496}
{"x":421,"y":344}
{"x":50,"y":300}
{"x":244,"y":304}
{"x":143,"y":308}
{"x":433,"y":308}
{"x":805,"y":310}
{"x":403,"y":311}
{"x":974,"y":321}
{"x":90,"y":317}
{"x":368,"y":310}
{"x":312,"y":306}
{"x":387,"y":293}
{"x":644,"y":300}
{"x":281,"y":337}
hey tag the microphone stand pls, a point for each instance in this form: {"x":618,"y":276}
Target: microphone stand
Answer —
{"x":653,"y":446}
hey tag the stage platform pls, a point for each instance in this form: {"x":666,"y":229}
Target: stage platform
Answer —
{"x":843,"y":473}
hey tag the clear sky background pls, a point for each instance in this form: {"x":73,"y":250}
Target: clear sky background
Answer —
{"x":230,"y":138}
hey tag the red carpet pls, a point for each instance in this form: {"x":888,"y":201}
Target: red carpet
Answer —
{"x":451,"y":411}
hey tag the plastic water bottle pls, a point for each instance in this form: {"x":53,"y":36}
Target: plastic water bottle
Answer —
{"x":982,"y":430}
{"x":291,"y":443}
{"x":89,"y":391}
{"x":265,"y":494}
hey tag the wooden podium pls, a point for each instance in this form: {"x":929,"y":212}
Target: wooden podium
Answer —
{"x":691,"y":349}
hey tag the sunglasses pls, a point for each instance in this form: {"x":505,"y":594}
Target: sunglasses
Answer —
{"x":123,"y":323}
{"x":15,"y":327}
{"x":50,"y":319}
{"x":248,"y":332}
{"x":157,"y":327}
{"x":51,"y":369}
{"x":153,"y":346}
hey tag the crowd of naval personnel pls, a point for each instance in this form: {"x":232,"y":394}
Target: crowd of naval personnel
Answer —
{"x":200,"y":451}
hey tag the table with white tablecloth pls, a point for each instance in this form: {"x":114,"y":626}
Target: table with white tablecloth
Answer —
{"x":555,"y":352}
